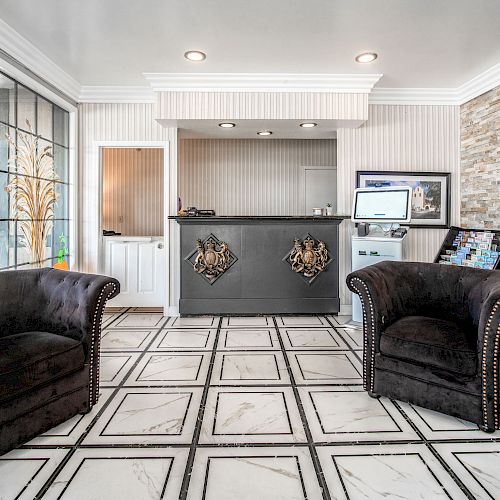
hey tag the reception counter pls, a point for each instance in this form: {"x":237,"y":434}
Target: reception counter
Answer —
{"x":259,"y":265}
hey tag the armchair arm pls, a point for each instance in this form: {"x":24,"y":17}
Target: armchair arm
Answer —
{"x":382,"y":290}
{"x":74,"y":306}
{"x":489,"y":350}
{"x":60,"y":302}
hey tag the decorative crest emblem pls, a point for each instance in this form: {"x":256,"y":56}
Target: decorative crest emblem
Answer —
{"x":307,"y":258}
{"x":211,"y":258}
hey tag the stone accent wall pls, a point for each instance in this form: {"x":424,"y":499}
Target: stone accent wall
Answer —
{"x":480,"y":161}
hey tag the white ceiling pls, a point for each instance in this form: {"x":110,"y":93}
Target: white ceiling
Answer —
{"x":421,"y":43}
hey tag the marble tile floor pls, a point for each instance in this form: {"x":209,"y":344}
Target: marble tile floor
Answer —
{"x":246,"y":408}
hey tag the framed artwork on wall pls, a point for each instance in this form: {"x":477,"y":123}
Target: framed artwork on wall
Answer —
{"x":430,"y":204}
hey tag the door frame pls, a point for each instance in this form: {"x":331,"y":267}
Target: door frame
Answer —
{"x":302,"y":190}
{"x":165,"y":145}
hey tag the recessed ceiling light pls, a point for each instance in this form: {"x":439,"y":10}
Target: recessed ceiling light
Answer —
{"x":227,"y":125}
{"x":264,"y":132}
{"x":195,"y":55}
{"x":366,"y":57}
{"x":308,"y":125}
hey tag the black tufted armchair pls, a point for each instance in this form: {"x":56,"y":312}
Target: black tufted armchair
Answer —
{"x":50,"y":326}
{"x":432,"y":337}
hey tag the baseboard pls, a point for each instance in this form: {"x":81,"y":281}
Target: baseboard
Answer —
{"x":345,"y":310}
{"x":172,"y":311}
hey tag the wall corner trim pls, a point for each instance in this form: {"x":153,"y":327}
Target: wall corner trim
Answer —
{"x":116,"y":94}
{"x":478,"y":85}
{"x":34,"y":60}
{"x":485,"y":81}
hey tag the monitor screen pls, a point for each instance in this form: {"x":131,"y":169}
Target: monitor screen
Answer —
{"x":382,"y":204}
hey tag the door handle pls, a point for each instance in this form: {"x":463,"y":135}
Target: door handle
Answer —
{"x":160,"y":245}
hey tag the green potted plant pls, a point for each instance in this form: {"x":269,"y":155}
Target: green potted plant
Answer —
{"x":63,"y":252}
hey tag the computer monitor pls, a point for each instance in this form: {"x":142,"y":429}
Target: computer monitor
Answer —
{"x":382,"y":205}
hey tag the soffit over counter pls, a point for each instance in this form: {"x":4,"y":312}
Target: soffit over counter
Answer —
{"x":262,"y":106}
{"x":343,"y":98}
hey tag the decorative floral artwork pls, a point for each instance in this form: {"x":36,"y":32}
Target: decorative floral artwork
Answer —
{"x":32,"y":190}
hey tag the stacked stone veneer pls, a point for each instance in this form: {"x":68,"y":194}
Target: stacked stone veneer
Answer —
{"x":480,"y":161}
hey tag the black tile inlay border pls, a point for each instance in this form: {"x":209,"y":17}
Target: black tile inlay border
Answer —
{"x":325,"y":353}
{"x":467,"y":468}
{"x":269,"y":322}
{"x":254,"y":354}
{"x":138,"y":348}
{"x":171,"y":354}
{"x":197,"y":327}
{"x":84,"y":459}
{"x":45,"y":462}
{"x":416,"y":410}
{"x":247,"y":348}
{"x":252,"y":433}
{"x":114,"y":355}
{"x":205,"y":483}
{"x":310,"y":441}
{"x":149,"y":394}
{"x":388,"y":454}
{"x":325,"y":347}
{"x":167,"y":348}
{"x":351,"y":432}
{"x":201,"y":412}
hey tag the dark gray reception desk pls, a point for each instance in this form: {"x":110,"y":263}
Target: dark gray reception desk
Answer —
{"x":259,"y":265}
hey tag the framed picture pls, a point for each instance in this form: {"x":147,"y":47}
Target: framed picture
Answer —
{"x":430,"y":204}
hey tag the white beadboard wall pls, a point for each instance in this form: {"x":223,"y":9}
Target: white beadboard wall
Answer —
{"x":248,"y":176}
{"x":261,"y":105}
{"x":116,"y":122}
{"x":132,"y":185}
{"x":401,"y":138}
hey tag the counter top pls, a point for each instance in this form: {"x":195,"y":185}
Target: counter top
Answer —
{"x":120,"y":237}
{"x":264,"y":218}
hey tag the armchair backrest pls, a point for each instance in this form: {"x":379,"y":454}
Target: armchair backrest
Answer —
{"x":437,"y":290}
{"x":52,"y":300}
{"x":21,"y":301}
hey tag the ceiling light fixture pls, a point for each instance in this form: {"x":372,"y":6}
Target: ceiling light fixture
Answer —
{"x":366,"y":57}
{"x":308,"y":125}
{"x":195,"y":55}
{"x":264,"y":132}
{"x":227,"y":125}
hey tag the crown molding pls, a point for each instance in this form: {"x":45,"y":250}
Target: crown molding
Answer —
{"x":261,"y":82}
{"x":34,"y":60}
{"x":116,"y":94}
{"x":415,"y":96}
{"x":480,"y":84}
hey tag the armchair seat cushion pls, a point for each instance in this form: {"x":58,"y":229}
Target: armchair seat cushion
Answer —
{"x":31,"y":359}
{"x":432,"y":342}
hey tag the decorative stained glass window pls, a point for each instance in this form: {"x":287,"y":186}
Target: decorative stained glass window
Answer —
{"x":24,"y":112}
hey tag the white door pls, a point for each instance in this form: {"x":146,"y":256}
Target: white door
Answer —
{"x":139,"y":265}
{"x":319,"y":188}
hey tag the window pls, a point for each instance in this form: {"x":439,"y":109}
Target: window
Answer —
{"x":19,"y":106}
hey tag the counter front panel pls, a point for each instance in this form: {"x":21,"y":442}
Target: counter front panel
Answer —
{"x":261,"y":269}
